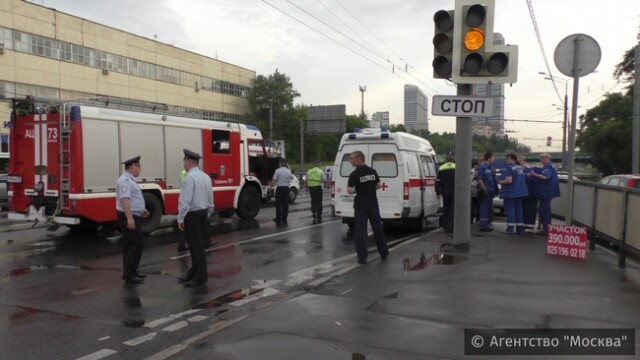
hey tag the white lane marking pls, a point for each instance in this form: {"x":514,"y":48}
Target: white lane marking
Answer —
{"x":266,"y":292}
{"x":177,"y":326}
{"x":158,"y":322}
{"x":261,"y":284}
{"x":197,"y":318}
{"x":170,"y":318}
{"x":181,"y":314}
{"x":104,"y":338}
{"x":141,"y":339}
{"x":98,"y":355}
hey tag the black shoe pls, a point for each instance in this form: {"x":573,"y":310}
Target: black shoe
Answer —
{"x":486,"y":229}
{"x":142,"y":276}
{"x":384,"y":257}
{"x":183,"y":248}
{"x":134,"y":280}
{"x":195,"y":283}
{"x":362,"y":262}
{"x":315,"y":221}
{"x":319,"y":220}
{"x":183,"y":279}
{"x":277,"y":221}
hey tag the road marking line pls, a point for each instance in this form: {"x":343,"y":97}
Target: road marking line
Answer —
{"x":197,"y":318}
{"x":177,"y":326}
{"x":98,"y":355}
{"x":141,"y":339}
{"x":158,"y":322}
{"x":104,"y":338}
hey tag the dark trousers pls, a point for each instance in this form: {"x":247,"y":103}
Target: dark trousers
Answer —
{"x":316,"y":201}
{"x":544,"y":207}
{"x":195,"y":230}
{"x":486,"y":211}
{"x":529,"y":212}
{"x":282,"y":203}
{"x":132,"y":245}
{"x":372,"y":214}
{"x":447,"y":213}
{"x":513,"y":211}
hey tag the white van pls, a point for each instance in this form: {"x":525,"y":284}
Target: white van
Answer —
{"x":406,"y":166}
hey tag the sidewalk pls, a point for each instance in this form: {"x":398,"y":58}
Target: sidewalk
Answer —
{"x":381,"y":311}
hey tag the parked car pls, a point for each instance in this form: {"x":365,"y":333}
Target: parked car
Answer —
{"x":4,"y":196}
{"x":622,"y":180}
{"x":327,"y":176}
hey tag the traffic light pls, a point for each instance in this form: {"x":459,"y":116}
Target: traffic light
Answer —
{"x":443,"y":44}
{"x":476,"y":59}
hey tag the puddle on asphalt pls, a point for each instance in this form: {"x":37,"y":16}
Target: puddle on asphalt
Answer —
{"x":232,"y":296}
{"x":439,"y":258}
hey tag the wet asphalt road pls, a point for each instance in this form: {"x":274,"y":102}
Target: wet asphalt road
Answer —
{"x":63,"y":298}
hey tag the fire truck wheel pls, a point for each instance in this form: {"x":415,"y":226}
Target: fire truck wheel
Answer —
{"x":422,"y":223}
{"x":155,"y":213}
{"x":293,"y":194}
{"x":248,"y":203}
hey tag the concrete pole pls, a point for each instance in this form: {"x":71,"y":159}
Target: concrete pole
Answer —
{"x":301,"y":146}
{"x":270,"y":125}
{"x":635,"y":147}
{"x":574,"y":121}
{"x":564,"y":128}
{"x":462,"y":200}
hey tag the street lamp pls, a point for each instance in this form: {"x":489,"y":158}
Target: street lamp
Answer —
{"x":565,"y":117}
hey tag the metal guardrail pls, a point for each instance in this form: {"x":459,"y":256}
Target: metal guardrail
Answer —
{"x":611,"y":213}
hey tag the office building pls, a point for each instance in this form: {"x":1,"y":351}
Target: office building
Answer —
{"x":45,"y":53}
{"x":416,"y":108}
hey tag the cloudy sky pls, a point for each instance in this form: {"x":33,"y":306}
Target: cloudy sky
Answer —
{"x":331,"y":47}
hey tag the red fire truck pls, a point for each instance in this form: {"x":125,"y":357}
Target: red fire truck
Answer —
{"x":65,"y":160}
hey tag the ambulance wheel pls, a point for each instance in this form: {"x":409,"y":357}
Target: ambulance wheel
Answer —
{"x":154,"y":208}
{"x":293,"y":194}
{"x":248,"y":203}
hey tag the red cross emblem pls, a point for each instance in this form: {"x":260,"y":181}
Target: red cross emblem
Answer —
{"x":384,"y":186}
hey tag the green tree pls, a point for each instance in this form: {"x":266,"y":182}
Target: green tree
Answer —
{"x":397,"y":128}
{"x":606,"y":130}
{"x":272,"y":96}
{"x":353,"y":122}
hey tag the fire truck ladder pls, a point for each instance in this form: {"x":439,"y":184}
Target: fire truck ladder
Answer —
{"x":65,"y":164}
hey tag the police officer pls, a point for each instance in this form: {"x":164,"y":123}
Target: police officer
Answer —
{"x":364,"y":181}
{"x":195,"y":206}
{"x":282,"y":180}
{"x":489,"y":188}
{"x":547,"y":187}
{"x":131,"y":209}
{"x":513,"y":190}
{"x":182,"y":240}
{"x":315,"y":180}
{"x":445,"y":187}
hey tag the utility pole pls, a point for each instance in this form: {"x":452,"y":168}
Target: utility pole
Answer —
{"x":635,"y":143}
{"x":362,"y":90}
{"x":564,"y":129}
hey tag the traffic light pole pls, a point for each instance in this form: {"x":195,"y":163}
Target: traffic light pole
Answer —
{"x":462,"y":200}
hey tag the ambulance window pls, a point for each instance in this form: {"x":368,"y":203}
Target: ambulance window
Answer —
{"x":427,"y":165}
{"x":385,"y":164}
{"x":220,"y":142}
{"x":345,"y":166}
{"x":412,"y":163}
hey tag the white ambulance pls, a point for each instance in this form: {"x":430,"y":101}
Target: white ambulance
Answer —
{"x":406,"y":166}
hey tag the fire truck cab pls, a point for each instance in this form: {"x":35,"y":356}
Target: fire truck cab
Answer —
{"x":65,"y":160}
{"x":406,"y":166}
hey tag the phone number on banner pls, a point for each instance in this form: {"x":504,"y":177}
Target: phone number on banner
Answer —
{"x":567,"y":241}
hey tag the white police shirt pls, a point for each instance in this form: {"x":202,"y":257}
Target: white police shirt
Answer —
{"x":195,"y":193}
{"x":127,"y":188}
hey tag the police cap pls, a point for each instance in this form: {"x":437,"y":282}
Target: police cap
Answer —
{"x":132,"y":161}
{"x":188,"y":154}
{"x":316,"y":162}
{"x":283,"y":161}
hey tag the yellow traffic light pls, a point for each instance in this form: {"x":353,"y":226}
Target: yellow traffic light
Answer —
{"x":474,"y":39}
